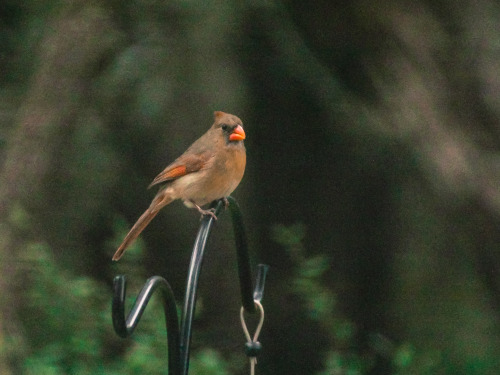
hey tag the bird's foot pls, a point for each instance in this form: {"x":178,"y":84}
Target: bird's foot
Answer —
{"x":226,"y":203}
{"x":210,"y":211}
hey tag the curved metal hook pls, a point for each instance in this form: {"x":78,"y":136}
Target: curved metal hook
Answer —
{"x":124,"y":327}
{"x":248,"y":294}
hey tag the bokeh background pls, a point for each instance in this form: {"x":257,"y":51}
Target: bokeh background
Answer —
{"x":372,"y":184}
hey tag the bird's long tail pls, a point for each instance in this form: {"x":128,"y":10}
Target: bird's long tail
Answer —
{"x":161,"y":200}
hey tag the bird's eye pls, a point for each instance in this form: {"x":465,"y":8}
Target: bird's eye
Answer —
{"x":225,"y":127}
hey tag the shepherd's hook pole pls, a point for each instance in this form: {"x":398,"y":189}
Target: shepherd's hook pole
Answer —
{"x":179,"y":341}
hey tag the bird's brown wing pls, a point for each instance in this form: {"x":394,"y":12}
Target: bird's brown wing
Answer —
{"x":185,"y":164}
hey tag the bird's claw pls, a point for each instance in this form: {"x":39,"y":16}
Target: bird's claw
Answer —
{"x":226,"y":203}
{"x":210,"y":212}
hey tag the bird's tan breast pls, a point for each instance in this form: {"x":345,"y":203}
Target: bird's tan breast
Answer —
{"x":218,"y":179}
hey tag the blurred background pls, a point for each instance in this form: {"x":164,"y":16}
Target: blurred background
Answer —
{"x":371,"y":189}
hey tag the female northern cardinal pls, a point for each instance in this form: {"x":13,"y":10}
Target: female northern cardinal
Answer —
{"x":210,"y":169}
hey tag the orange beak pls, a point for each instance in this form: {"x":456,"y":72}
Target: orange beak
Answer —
{"x":238,"y":134}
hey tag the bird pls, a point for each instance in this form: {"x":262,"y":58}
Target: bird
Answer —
{"x":210,"y":169}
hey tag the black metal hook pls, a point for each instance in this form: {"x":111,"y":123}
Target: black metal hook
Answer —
{"x":179,"y":342}
{"x":125,"y":327}
{"x":248,"y":294}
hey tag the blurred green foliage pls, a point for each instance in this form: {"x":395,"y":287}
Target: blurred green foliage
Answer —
{"x":320,"y":302}
{"x":61,"y":339}
{"x":321,"y":305}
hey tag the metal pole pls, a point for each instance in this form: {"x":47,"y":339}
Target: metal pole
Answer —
{"x":192,"y":286}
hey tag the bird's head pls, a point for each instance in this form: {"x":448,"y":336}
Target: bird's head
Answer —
{"x":230,"y":126}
